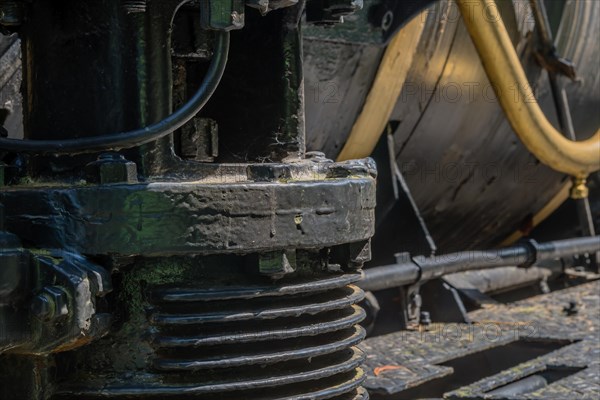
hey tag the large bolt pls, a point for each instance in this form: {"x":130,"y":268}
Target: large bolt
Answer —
{"x":276,"y":264}
{"x":425,"y":318}
{"x":359,"y":253}
{"x":50,"y":304}
{"x":111,"y":168}
{"x":579,"y":190}
{"x":42,"y":307}
{"x":351,"y":256}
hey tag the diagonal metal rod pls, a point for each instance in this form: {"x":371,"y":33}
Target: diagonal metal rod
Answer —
{"x":563,"y":111}
{"x":542,"y":26}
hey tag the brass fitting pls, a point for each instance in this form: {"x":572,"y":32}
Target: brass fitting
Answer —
{"x":579,"y":190}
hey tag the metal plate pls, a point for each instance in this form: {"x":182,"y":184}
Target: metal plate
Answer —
{"x":408,"y":359}
{"x":305,"y":207}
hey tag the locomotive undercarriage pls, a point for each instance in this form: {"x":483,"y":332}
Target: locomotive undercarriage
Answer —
{"x":218,"y":262}
{"x":168,"y":231}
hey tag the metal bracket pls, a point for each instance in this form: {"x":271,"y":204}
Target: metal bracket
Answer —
{"x":48,"y":301}
{"x":395,"y":203}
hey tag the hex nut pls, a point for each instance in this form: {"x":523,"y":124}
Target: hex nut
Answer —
{"x":42,"y":307}
{"x":111,"y":168}
{"x":276,"y":264}
{"x":579,"y":190}
{"x":50,"y":304}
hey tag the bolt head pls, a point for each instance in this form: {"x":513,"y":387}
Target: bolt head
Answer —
{"x":111,"y":168}
{"x":579,"y":191}
{"x":42,"y":307}
{"x":50,"y":304}
{"x":277,"y":264}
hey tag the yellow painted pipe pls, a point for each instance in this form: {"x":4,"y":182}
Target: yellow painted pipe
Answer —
{"x":504,"y":70}
{"x":541,"y":215}
{"x":392,"y":72}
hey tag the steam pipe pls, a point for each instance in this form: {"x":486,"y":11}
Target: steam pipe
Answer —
{"x":409,"y":271}
{"x":506,"y":74}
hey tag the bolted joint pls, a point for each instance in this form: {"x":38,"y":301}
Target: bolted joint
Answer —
{"x":424,"y":318}
{"x":50,"y":304}
{"x":276,"y":264}
{"x":111,"y":168}
{"x":351,"y":256}
{"x":579,"y":190}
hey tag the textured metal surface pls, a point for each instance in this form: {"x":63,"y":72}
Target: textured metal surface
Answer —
{"x":201,"y":217}
{"x":405,"y":360}
{"x":232,"y":266}
{"x":49,"y":302}
{"x":547,"y":314}
{"x":296,"y":338}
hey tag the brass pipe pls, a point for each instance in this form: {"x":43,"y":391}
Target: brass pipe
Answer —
{"x":504,"y":70}
{"x":391,"y":75}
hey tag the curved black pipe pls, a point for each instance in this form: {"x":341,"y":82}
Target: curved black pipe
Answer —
{"x":123,"y":140}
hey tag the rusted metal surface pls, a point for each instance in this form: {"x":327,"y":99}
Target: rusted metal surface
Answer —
{"x":230,"y":253}
{"x":566,"y":318}
{"x":257,"y":213}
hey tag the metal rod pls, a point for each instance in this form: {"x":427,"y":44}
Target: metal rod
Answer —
{"x":541,"y":22}
{"x":410,"y":271}
{"x":563,"y":111}
{"x":522,"y":386}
